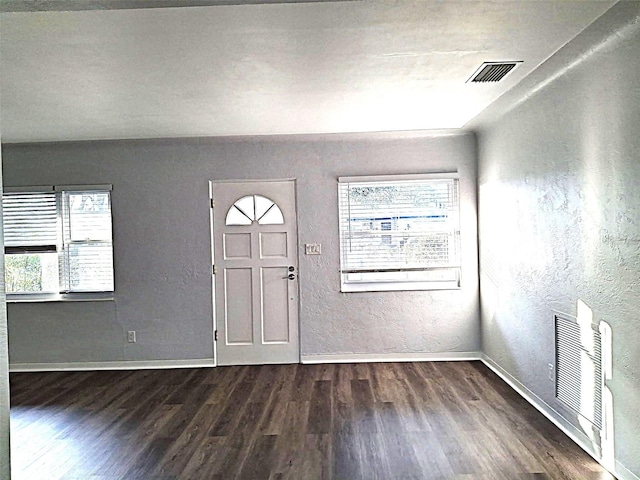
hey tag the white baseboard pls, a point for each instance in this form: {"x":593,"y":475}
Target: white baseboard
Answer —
{"x":208,"y":362}
{"x":554,"y":417}
{"x":390,"y":357}
{"x":623,"y":473}
{"x":117,"y":365}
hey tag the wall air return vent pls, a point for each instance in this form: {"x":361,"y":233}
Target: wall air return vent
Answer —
{"x":579,"y":368}
{"x":492,"y":71}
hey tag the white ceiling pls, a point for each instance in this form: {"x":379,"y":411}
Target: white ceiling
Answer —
{"x":276,"y":68}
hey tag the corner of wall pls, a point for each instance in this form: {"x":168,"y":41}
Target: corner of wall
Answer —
{"x":5,"y":470}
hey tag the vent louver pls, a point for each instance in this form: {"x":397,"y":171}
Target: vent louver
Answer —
{"x":492,"y":71}
{"x":579,"y":370}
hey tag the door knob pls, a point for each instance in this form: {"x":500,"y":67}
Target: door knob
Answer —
{"x":291,"y":276}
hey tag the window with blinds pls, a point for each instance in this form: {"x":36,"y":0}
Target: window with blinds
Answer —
{"x":58,"y":242}
{"x":399,"y":233}
{"x":31,"y":242}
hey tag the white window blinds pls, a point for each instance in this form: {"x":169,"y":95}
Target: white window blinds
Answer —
{"x":88,"y":250}
{"x":30,"y":221}
{"x":399,"y":231}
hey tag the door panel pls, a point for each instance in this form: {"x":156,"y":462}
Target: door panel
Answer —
{"x":275,"y":324}
{"x":238,"y":312}
{"x":237,"y":245}
{"x":273,"y":244}
{"x":255,"y":254}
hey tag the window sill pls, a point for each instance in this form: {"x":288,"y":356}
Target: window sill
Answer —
{"x":59,"y":297}
{"x":398,"y":286}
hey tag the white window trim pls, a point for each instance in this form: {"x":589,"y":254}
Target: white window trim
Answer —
{"x":400,"y":178}
{"x":60,"y":297}
{"x":56,"y":188}
{"x":384,"y":286}
{"x":55,"y":296}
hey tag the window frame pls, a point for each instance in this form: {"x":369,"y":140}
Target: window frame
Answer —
{"x":443,"y":277}
{"x":61,"y":247}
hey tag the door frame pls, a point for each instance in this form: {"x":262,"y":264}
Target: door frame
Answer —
{"x":212,"y":184}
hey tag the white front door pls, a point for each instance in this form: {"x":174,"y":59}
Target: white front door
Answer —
{"x":255,"y":249}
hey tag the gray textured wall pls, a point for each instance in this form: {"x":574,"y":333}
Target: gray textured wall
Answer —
{"x":162,"y":249}
{"x":559,"y":215}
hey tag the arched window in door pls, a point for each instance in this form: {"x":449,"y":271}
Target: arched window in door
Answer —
{"x":254,"y":208}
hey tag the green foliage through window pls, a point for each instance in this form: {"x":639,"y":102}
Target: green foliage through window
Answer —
{"x":28,"y":273}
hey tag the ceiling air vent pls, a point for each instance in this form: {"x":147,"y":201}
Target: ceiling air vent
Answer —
{"x":492,"y":71}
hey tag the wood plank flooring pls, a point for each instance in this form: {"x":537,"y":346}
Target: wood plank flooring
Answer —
{"x":436,"y":420}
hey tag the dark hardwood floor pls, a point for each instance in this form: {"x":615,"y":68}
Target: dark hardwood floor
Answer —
{"x":436,"y":420}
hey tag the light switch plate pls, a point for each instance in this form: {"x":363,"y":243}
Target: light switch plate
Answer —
{"x":312,"y":248}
